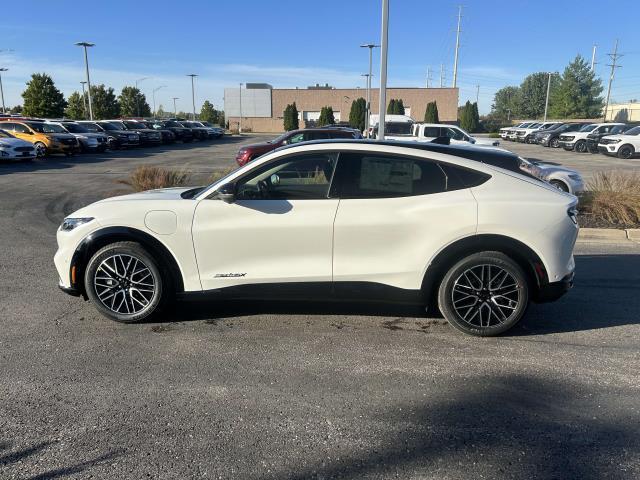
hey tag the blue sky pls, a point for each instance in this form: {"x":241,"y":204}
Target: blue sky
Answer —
{"x":300,"y":43}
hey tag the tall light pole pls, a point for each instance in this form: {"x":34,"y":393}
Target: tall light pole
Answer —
{"x":193,"y":94}
{"x":593,"y":57}
{"x":137,"y":96}
{"x":154,"y":98}
{"x":367,"y":120}
{"x":86,"y":66}
{"x":84,"y":98}
{"x":455,"y":59}
{"x":175,"y":112}
{"x":240,"y":121}
{"x":546,"y":102}
{"x":384,"y":50}
{"x":1,"y":90}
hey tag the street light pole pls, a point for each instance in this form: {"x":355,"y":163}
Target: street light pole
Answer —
{"x":4,"y":110}
{"x":84,"y":98}
{"x":367,"y":119}
{"x":193,"y":95}
{"x":137,"y":96}
{"x":382,"y":104}
{"x":86,"y":66}
{"x":154,"y":98}
{"x":240,"y":121}
{"x":175,"y":112}
{"x":546,"y":102}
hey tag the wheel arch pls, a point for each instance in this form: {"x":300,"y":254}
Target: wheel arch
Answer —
{"x":108,"y":235}
{"x":521,"y":253}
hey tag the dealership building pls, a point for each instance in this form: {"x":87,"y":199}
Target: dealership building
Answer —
{"x":261,"y":106}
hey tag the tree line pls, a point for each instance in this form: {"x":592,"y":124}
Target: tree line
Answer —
{"x":41,"y":98}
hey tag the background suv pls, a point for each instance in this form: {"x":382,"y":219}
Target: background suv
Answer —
{"x":116,"y":136}
{"x":46,"y":137}
{"x":549,"y":137}
{"x":88,"y":141}
{"x":182,"y":133}
{"x":624,"y":145}
{"x":578,"y":140}
{"x":148,"y":136}
{"x":250,"y":152}
{"x":593,"y":139}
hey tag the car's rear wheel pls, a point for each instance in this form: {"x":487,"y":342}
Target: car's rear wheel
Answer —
{"x":125,"y":283}
{"x":484,"y":294}
{"x":625,"y":152}
{"x":41,"y":149}
{"x":555,"y":143}
{"x":581,"y":146}
{"x":560,"y":185}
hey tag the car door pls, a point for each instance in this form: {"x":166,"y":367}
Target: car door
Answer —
{"x":19,"y":131}
{"x":278,"y":229}
{"x":395,"y":213}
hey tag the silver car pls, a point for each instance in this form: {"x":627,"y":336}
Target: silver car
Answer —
{"x":562,"y":178}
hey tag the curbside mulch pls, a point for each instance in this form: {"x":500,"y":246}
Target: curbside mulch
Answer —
{"x":609,"y":235}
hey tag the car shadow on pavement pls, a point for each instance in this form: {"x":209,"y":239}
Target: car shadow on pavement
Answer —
{"x":22,"y":457}
{"x":488,"y":426}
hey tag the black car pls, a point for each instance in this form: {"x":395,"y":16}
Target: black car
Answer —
{"x":550,"y":137}
{"x":199,"y":133}
{"x":593,"y":139}
{"x":148,"y":136}
{"x":167,"y":135}
{"x":182,"y":133}
{"x":116,"y":137}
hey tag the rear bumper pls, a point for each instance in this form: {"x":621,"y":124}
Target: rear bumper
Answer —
{"x":554,"y":290}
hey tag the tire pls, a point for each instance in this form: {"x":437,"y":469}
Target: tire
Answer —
{"x":560,"y":185}
{"x":554,"y":143}
{"x":478,"y":312}
{"x":41,"y":149}
{"x":580,"y":146}
{"x":130,"y":266}
{"x":626,"y":152}
{"x":528,"y":140}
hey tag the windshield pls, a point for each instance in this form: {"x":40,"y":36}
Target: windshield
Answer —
{"x":130,"y":124}
{"x":110,"y":126}
{"x":4,"y":134}
{"x":172,"y":124}
{"x":118,"y":125}
{"x":92,"y":127}
{"x":280,"y":138}
{"x":396,"y":128}
{"x":46,"y":127}
{"x":633,"y":131}
{"x":75,"y":128}
{"x":587,"y":128}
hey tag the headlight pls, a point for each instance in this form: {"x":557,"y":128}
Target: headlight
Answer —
{"x":611,"y":140}
{"x":71,"y":223}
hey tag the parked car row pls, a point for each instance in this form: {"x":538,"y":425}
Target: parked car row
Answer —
{"x":616,"y":139}
{"x":26,"y":138}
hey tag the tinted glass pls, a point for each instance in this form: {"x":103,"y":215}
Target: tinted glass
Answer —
{"x":92,"y":127}
{"x":75,"y":128}
{"x":130,"y":124}
{"x":370,"y":175}
{"x":110,"y":127}
{"x":47,"y":127}
{"x":19,"y":128}
{"x":297,"y":138}
{"x":633,"y":131}
{"x":297,"y":177}
{"x":432,"y":132}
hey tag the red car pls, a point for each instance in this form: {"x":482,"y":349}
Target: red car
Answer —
{"x":251,"y":152}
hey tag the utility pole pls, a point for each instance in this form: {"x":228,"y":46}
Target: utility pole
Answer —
{"x":455,"y":60}
{"x":546,"y":103}
{"x":477,"y":93}
{"x":193,"y":94}
{"x":441,"y":75}
{"x":367,"y":119}
{"x":593,"y":58}
{"x":429,"y":76}
{"x":384,"y":53}
{"x":175,"y":111}
{"x":85,"y":45}
{"x":4,"y":110}
{"x":84,"y":99}
{"x":614,"y":58}
{"x":240,"y":121}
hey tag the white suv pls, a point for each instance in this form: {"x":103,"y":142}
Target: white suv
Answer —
{"x":526,"y":135}
{"x":578,"y":140}
{"x":624,"y":145}
{"x":427,"y":224}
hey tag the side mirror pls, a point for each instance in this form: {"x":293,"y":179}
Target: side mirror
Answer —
{"x":227,"y":193}
{"x":285,"y":142}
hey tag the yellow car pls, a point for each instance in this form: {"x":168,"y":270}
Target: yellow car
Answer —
{"x":46,"y":137}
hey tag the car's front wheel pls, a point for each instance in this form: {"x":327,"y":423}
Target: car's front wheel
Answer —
{"x":555,"y":143}
{"x":484,"y":294}
{"x":581,"y":146}
{"x":625,"y":152}
{"x":560,"y":185}
{"x":125,"y":283}
{"x":41,"y":149}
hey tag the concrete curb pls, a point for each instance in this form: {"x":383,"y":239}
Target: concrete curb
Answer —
{"x":609,"y":235}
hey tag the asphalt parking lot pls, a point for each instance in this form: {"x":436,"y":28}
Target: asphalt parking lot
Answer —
{"x":274,"y":390}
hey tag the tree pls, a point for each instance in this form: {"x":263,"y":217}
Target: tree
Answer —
{"x":104,"y":102}
{"x":398,"y":107}
{"x":160,"y":113}
{"x":326,"y":117}
{"x":533,"y":94}
{"x":16,"y":110}
{"x":133,"y":103}
{"x":207,"y":113}
{"x":290,"y":117}
{"x":475,"y":118}
{"x":431,"y":113}
{"x":358,"y":113}
{"x":506,"y":103}
{"x":392,"y":106}
{"x":466,"y":117}
{"x":42,"y":98}
{"x":220,"y":118}
{"x":75,"y":107}
{"x":578,"y":92}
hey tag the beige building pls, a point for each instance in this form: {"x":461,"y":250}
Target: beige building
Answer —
{"x":262,"y":107}
{"x":623,"y":112}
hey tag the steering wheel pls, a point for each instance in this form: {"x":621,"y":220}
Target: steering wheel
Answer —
{"x":263,"y":188}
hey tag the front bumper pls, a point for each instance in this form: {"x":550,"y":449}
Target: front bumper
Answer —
{"x":567,"y":145}
{"x":551,"y":292}
{"x":74,"y":292}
